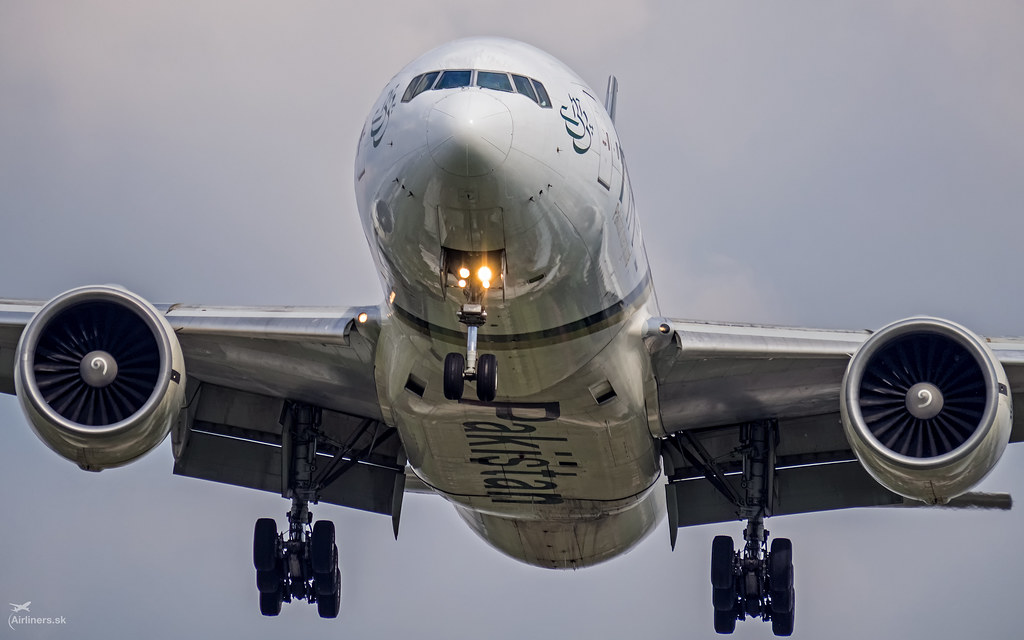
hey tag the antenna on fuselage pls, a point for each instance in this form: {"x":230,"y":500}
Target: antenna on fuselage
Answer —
{"x":610,"y":97}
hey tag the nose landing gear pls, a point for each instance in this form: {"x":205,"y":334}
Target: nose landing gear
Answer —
{"x":482,"y":369}
{"x":473,"y":274}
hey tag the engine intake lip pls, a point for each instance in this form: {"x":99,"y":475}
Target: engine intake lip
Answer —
{"x":69,"y":302}
{"x":908,"y":329}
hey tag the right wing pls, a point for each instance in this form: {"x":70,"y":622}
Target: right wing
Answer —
{"x":245,"y":367}
{"x":323,"y":356}
{"x":14,"y":315}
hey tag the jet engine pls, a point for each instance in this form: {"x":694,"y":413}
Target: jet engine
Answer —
{"x":926,"y":408}
{"x":100,"y":376}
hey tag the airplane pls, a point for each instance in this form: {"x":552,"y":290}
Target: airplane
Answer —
{"x":17,"y":608}
{"x":496,"y":202}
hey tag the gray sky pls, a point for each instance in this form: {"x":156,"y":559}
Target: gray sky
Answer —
{"x":838,"y":164}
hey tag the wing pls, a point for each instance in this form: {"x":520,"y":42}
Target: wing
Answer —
{"x":14,"y":315}
{"x":245,"y":367}
{"x":713,"y":378}
{"x":313,"y":355}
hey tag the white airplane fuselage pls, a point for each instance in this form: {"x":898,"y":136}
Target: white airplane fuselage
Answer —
{"x":561,"y":470}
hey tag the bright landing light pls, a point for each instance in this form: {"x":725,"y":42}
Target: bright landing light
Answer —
{"x":463,"y":273}
{"x":484,"y":274}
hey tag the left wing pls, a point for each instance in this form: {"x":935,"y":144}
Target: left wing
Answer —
{"x":713,"y":374}
{"x":245,"y":368}
{"x":715,"y":378}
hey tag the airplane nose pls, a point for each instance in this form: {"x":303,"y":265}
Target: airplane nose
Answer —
{"x":469,"y":133}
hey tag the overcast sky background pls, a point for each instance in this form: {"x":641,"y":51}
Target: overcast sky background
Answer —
{"x":839,"y":164}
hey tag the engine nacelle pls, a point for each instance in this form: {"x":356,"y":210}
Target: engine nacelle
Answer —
{"x":100,"y":376}
{"x":926,"y":408}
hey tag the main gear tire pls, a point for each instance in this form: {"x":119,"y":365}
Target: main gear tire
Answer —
{"x":264,"y":545}
{"x":322,"y":548}
{"x":722,"y":554}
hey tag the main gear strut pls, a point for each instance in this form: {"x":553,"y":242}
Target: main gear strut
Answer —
{"x":754,"y":582}
{"x":301,"y":563}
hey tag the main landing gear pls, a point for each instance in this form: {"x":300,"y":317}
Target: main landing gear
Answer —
{"x":458,"y":369}
{"x":755,"y":581}
{"x":302,"y":562}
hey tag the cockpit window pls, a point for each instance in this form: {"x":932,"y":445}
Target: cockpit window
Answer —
{"x":420,"y":84}
{"x":532,"y":89}
{"x":542,"y":95}
{"x":525,"y":87}
{"x":493,"y":80}
{"x":454,"y":79}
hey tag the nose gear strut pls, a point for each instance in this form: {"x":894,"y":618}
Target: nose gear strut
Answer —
{"x":473,"y":316}
{"x":483,"y":368}
{"x":474,"y":273}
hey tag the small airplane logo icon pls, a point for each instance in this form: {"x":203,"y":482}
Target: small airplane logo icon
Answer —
{"x":20,"y":607}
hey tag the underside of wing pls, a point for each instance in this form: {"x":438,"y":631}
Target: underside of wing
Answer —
{"x":253,"y":441}
{"x":103,"y":376}
{"x":784,"y":411}
{"x":253,"y":370}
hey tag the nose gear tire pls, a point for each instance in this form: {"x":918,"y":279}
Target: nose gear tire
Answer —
{"x":454,"y":382}
{"x":487,"y":377}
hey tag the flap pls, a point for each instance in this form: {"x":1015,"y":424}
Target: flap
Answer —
{"x":798,"y":490}
{"x":235,"y":437}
